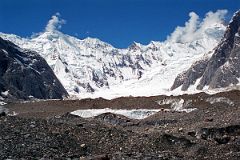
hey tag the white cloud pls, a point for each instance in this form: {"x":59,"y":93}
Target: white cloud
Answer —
{"x":55,"y":23}
{"x":194,"y":28}
{"x":212,"y":17}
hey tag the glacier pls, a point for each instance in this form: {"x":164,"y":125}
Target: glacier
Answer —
{"x":132,"y":114}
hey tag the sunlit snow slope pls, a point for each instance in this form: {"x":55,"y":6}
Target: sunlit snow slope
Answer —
{"x":92,"y":68}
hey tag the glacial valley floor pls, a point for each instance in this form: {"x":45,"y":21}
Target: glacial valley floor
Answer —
{"x":47,"y":130}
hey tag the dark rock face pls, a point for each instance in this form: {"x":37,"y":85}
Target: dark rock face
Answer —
{"x":25,"y":73}
{"x":190,"y":76}
{"x":223,"y":68}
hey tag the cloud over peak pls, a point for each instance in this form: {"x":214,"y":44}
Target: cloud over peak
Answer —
{"x":195,"y":27}
{"x":55,"y":23}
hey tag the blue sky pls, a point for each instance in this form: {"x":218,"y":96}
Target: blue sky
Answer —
{"x":118,"y":22}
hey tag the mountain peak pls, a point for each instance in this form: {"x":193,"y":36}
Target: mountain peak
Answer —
{"x":233,"y":26}
{"x":236,"y":16}
{"x":50,"y":35}
{"x":194,"y":29}
{"x":135,"y":46}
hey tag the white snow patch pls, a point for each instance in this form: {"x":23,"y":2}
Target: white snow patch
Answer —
{"x":5,"y":93}
{"x":12,"y":114}
{"x":177,"y":105}
{"x":5,"y":51}
{"x":2,"y":103}
{"x":133,"y":113}
{"x":220,"y":100}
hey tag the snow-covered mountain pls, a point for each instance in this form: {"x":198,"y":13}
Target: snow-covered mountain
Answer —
{"x":90,"y":67}
{"x":221,"y":69}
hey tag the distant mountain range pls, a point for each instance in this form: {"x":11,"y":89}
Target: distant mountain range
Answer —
{"x":92,"y":68}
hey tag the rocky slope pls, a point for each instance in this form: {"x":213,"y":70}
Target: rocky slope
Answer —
{"x":25,"y":74}
{"x":90,"y":65}
{"x":219,"y":70}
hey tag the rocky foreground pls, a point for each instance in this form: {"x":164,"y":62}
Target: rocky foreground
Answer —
{"x":44,"y":130}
